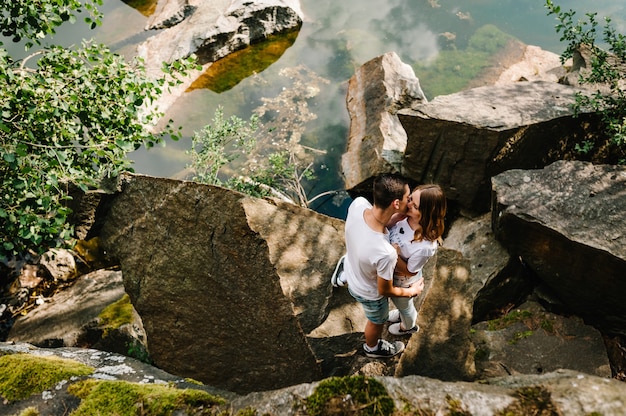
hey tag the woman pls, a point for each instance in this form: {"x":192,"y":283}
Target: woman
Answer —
{"x":416,"y":238}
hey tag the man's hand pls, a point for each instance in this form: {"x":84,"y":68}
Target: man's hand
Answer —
{"x":418,"y":287}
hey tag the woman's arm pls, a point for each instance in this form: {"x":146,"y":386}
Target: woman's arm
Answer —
{"x":402,"y":268}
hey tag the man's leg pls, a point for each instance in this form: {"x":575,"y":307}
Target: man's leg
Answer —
{"x":373,"y":332}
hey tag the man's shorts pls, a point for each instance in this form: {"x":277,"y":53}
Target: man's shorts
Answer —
{"x":376,"y":311}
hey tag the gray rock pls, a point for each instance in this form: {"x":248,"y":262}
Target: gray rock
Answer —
{"x":461,"y":140}
{"x":442,"y":348}
{"x":63,"y":319}
{"x":56,"y":401}
{"x":530,"y":340}
{"x":562,"y":391}
{"x":377,"y":141}
{"x":567,"y":223}
{"x":59,"y":264}
{"x":223,"y":282}
{"x":501,"y":281}
{"x":218,"y":28}
{"x":169,"y":13}
{"x":211,"y":30}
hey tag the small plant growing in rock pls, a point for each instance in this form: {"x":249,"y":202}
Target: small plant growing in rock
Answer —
{"x":510,"y":319}
{"x":455,"y":407}
{"x":533,"y":400}
{"x":350,"y":396}
{"x":606,"y":73}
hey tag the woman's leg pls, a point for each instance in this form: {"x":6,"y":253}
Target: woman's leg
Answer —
{"x":408,"y":313}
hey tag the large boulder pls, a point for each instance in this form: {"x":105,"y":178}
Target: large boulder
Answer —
{"x":461,"y":140}
{"x":211,"y":30}
{"x":559,"y":392}
{"x":531,"y":340}
{"x":500,"y":280}
{"x":54,"y":399}
{"x":568,"y":224}
{"x":226,"y":284}
{"x":442,"y":348}
{"x":562,"y":392}
{"x":377,"y":141}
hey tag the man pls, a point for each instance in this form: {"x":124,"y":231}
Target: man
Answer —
{"x":370,"y":260}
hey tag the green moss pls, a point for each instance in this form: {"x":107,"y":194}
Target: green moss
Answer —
{"x":455,"y":407}
{"x":350,"y":395}
{"x":192,"y":381}
{"x":29,"y":411}
{"x":129,"y":399}
{"x":509,"y":319}
{"x":533,"y":400}
{"x":518,"y":336}
{"x":453,"y":69}
{"x":116,"y":314}
{"x":248,"y":411}
{"x":22,"y":375}
{"x":547,"y":325}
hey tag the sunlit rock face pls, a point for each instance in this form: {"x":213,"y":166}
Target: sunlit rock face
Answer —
{"x":226,"y":284}
{"x":377,"y":139}
{"x":214,"y":29}
{"x":459,"y":140}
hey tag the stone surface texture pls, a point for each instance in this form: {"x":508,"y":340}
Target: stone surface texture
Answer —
{"x":567,"y":222}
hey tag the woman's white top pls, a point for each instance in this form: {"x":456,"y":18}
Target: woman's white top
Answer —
{"x":415,"y":253}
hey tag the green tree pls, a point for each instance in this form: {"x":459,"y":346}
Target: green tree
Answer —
{"x":34,"y":20}
{"x":68,"y":115}
{"x":606,"y":76}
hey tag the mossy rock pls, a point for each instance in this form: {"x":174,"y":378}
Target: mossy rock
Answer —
{"x":123,"y":398}
{"x":350,"y":395}
{"x":22,"y":375}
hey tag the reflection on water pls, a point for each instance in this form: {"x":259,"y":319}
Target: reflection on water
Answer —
{"x":229,"y":71}
{"x":454,"y":69}
{"x":445,"y":41}
{"x":145,"y":7}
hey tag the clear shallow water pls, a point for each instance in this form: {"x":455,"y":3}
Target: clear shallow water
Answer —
{"x":337,"y":37}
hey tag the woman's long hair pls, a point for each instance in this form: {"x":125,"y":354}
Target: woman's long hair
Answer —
{"x":433,"y":207}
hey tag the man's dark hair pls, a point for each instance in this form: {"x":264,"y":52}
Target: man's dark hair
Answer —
{"x":387,"y":188}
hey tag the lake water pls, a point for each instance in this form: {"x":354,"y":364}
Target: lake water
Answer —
{"x":337,"y":37}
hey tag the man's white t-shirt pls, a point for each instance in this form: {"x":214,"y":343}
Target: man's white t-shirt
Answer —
{"x":369,"y":253}
{"x":415,"y":253}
